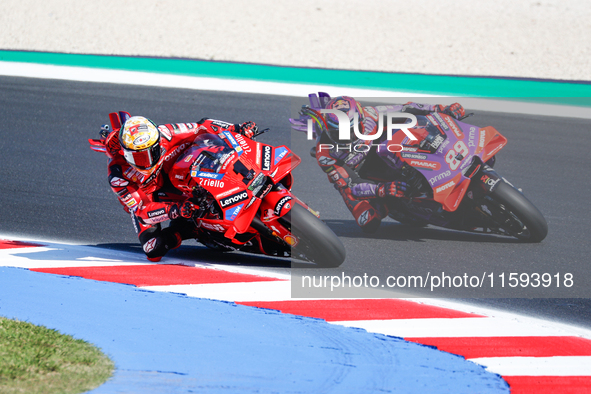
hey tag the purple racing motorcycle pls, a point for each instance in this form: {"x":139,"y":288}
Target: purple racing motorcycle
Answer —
{"x":450,"y":177}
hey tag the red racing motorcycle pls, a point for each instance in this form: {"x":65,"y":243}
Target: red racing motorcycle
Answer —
{"x":243,"y":190}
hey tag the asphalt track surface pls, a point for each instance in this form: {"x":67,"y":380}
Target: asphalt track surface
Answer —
{"x":53,"y":186}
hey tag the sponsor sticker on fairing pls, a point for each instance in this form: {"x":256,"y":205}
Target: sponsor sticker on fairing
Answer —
{"x":207,"y":175}
{"x":455,"y":128}
{"x":227,"y":160}
{"x":291,"y":240}
{"x":279,"y":154}
{"x":442,"y":146}
{"x":437,"y":141}
{"x":227,"y":192}
{"x":280,"y":204}
{"x":243,"y":144}
{"x":175,"y":152}
{"x":432,"y":120}
{"x":221,"y":123}
{"x":233,"y":142}
{"x":482,"y":138}
{"x":257,"y":183}
{"x":234,"y":199}
{"x":211,"y":183}
{"x":472,"y":137}
{"x":213,"y":227}
{"x":439,"y":177}
{"x":441,"y":121}
{"x":445,"y":186}
{"x":266,"y":164}
{"x":232,"y":213}
{"x":418,"y":156}
{"x":259,"y":149}
{"x":429,"y":165}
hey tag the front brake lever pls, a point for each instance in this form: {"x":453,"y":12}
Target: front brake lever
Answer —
{"x":260,"y":132}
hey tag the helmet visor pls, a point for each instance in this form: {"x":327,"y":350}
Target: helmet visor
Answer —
{"x":143,"y":159}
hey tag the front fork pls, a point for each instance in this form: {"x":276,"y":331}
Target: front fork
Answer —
{"x":275,"y":205}
{"x":478,"y":200}
{"x":485,"y":181}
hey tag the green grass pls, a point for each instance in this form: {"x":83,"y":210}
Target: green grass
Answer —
{"x":35,"y":359}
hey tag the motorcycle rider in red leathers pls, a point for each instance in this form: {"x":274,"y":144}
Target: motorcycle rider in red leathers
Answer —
{"x":141,"y":155}
{"x":361,"y":196}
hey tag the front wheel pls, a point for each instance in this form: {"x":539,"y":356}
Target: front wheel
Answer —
{"x":516,"y":215}
{"x":316,"y":242}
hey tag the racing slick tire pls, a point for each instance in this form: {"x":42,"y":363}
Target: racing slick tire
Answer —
{"x":316,"y":242}
{"x":525,"y":221}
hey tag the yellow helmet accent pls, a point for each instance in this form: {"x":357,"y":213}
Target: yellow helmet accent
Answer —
{"x":140,"y":140}
{"x":139,"y":133}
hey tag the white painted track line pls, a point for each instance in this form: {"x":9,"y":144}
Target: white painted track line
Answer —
{"x":537,"y":366}
{"x":456,"y":327}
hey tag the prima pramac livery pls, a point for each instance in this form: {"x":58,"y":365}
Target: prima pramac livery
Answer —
{"x":438,"y":170}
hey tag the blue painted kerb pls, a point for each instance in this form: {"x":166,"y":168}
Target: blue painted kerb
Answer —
{"x":170,"y":343}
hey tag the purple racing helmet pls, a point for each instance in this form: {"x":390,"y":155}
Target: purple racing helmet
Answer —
{"x":353,"y":109}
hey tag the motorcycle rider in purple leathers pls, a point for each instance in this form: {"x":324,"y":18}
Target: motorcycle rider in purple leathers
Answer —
{"x":362,"y":196}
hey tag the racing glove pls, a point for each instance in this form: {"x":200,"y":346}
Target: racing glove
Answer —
{"x":248,"y":129}
{"x":391,"y":189}
{"x":184,"y":210}
{"x":456,"y":110}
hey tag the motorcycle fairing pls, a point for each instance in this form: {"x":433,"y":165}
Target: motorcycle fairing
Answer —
{"x":493,"y":142}
{"x":243,"y":175}
{"x":448,"y":155}
{"x":118,"y":119}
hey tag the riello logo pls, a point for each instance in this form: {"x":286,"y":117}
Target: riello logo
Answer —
{"x":345,"y":124}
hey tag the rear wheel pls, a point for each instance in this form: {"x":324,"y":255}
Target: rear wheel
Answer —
{"x":516,"y":215}
{"x":316,"y":242}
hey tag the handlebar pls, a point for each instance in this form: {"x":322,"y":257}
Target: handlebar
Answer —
{"x":259,"y":132}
